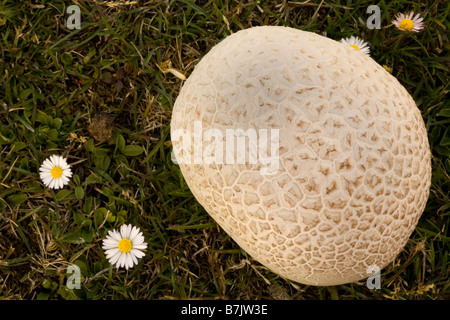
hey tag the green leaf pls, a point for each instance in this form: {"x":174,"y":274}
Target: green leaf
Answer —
{"x":102,"y":163}
{"x":87,"y":206}
{"x":92,"y":179}
{"x":16,"y":199}
{"x":43,"y":296}
{"x":57,"y":123}
{"x":66,"y":58}
{"x":87,"y":224}
{"x":51,"y":145}
{"x":52,"y":134}
{"x":26,"y":93}
{"x":100,"y":152}
{"x":48,"y":121}
{"x":99,"y":216}
{"x":24,"y":164}
{"x":19,"y":145}
{"x":76,"y":179}
{"x":120,"y":142}
{"x":83,"y":263}
{"x":79,"y":192}
{"x":443,"y":150}
{"x":34,"y":187}
{"x":73,"y":236}
{"x":88,"y":234}
{"x":63,"y":194}
{"x":89,"y":145}
{"x":132,"y":150}
{"x":78,"y":218}
{"x":110,"y":217}
{"x":41,"y":116}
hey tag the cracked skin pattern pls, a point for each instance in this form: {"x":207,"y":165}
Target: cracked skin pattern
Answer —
{"x":354,"y":160}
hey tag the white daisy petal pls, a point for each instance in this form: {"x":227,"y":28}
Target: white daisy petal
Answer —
{"x":129,"y":228}
{"x":45,"y":170}
{"x":129,"y":261}
{"x":52,"y":183}
{"x":46,"y":164}
{"x":65,"y":166}
{"x":64,"y":180}
{"x":115,"y":235}
{"x":47,"y":182}
{"x":116,"y":258}
{"x":123,"y":259}
{"x":108,"y":246}
{"x":141,"y":246}
{"x":123,"y":229}
{"x":44,"y":176}
{"x":138,"y":240}
{"x":137,"y":253}
{"x":112,"y":252}
{"x":113,"y":259}
{"x":109,"y":241}
{"x":54,"y":160}
{"x":134,"y":233}
{"x":134,"y":259}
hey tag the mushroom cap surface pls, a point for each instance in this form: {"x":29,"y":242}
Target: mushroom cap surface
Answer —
{"x":354,"y":163}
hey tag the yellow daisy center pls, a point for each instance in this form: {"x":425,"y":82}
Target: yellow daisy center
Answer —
{"x":354,"y":46}
{"x":125,"y":245}
{"x":56,"y":172}
{"x":407,"y":24}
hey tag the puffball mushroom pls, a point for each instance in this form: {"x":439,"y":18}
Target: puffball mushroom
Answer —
{"x":353,"y":168}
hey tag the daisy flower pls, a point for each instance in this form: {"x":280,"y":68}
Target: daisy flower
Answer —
{"x":357,"y":43}
{"x":55,"y":172}
{"x":406,"y":22}
{"x":124,"y":248}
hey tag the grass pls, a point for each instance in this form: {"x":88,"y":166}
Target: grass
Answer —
{"x":62,"y":90}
